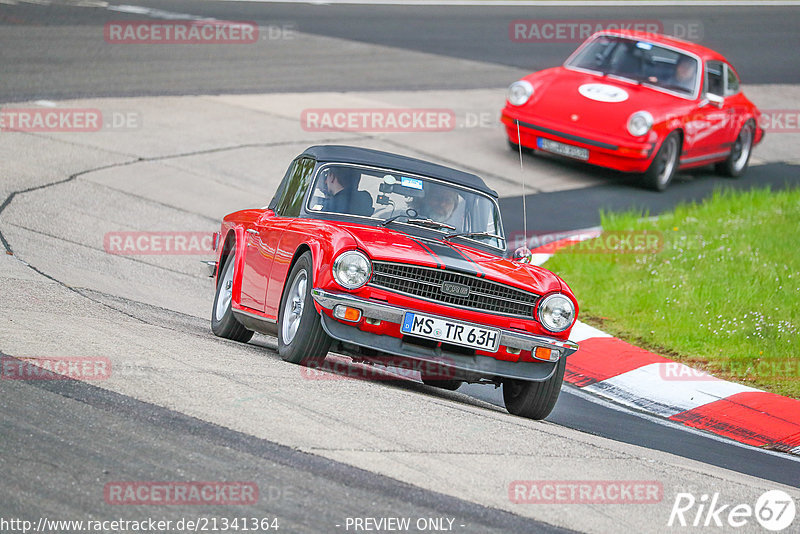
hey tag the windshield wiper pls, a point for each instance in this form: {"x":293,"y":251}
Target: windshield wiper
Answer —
{"x":427,"y":223}
{"x":475,"y":234}
{"x":430,"y":223}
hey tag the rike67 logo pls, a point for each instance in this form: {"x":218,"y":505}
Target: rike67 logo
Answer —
{"x":774,"y":510}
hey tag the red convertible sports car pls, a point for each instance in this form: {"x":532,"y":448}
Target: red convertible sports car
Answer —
{"x":396,"y":261}
{"x":637,"y":102}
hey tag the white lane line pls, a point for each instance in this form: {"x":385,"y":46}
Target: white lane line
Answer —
{"x":665,"y":390}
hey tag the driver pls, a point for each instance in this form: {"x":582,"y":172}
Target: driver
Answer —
{"x":341,"y":196}
{"x":443,"y":204}
{"x":684,"y":74}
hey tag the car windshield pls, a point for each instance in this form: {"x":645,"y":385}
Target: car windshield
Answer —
{"x":640,"y":61}
{"x":394,"y":197}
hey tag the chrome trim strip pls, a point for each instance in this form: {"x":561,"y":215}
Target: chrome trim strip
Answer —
{"x":707,"y":156}
{"x":393,"y":314}
{"x":252,"y":315}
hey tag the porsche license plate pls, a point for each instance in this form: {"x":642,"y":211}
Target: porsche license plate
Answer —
{"x":563,"y":149}
{"x":453,"y":332}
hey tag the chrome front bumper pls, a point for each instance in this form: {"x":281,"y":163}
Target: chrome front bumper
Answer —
{"x":482,"y":364}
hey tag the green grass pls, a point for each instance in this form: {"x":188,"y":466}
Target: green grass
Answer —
{"x":722,"y":295}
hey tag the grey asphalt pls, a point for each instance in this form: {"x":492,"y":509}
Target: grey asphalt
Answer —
{"x":86,"y":437}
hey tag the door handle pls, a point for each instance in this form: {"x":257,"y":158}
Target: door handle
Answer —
{"x":251,"y":231}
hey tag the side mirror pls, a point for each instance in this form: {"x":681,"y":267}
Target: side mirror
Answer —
{"x":713,"y":99}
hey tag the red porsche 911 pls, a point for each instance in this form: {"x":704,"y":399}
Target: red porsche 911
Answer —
{"x":640,"y":103}
{"x":394,"y":259}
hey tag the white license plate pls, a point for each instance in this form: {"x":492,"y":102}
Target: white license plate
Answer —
{"x":563,"y":149}
{"x":453,"y":332}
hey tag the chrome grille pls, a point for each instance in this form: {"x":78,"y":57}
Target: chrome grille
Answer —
{"x":426,"y":283}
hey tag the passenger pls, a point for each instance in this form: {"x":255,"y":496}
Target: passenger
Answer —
{"x":341,"y":196}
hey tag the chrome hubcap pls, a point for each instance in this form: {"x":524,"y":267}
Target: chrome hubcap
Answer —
{"x":741,"y":148}
{"x":293,"y":312}
{"x":225,"y":291}
{"x":667,"y":162}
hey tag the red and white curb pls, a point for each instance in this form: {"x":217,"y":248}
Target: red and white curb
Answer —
{"x":623,"y":373}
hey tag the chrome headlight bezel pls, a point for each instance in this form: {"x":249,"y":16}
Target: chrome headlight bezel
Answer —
{"x":640,"y":123}
{"x":519,"y":93}
{"x":349,"y":260}
{"x":551,"y":303}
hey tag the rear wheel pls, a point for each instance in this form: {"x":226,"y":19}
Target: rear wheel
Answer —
{"x":534,"y":400}
{"x":301,"y":338}
{"x":739,"y":157}
{"x":659,"y":175}
{"x":223,"y":322}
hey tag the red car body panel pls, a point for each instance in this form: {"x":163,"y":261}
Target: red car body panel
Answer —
{"x":557,"y":111}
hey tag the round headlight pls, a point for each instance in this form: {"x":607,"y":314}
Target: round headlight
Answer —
{"x":556,"y":312}
{"x":640,"y":123}
{"x":519,"y":92}
{"x":352,"y":269}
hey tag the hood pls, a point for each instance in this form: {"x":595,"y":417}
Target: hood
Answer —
{"x":594,"y":103}
{"x":384,"y":244}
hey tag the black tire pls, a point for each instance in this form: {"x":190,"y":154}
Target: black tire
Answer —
{"x":664,"y":165}
{"x":534,"y":400}
{"x":223,"y":322}
{"x":450,"y":385}
{"x":739,"y":158}
{"x":301,"y":338}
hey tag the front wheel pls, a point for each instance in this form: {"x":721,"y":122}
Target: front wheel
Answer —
{"x":301,"y":338}
{"x":739,"y":157}
{"x":534,"y":400}
{"x":223,"y":322}
{"x":659,"y":175}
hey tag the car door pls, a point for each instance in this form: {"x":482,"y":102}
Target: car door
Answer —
{"x":287,"y":209}
{"x":258,"y":252}
{"x":708,"y":128}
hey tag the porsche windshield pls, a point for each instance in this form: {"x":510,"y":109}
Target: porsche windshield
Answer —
{"x":394,"y":197}
{"x":639,"y":61}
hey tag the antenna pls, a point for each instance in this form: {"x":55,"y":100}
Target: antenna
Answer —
{"x":522,"y":173}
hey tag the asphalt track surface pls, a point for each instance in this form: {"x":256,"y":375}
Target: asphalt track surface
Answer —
{"x":82,"y":429}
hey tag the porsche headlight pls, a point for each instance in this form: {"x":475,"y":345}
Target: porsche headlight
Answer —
{"x":556,"y":312}
{"x":519,"y":92}
{"x":640,"y":123}
{"x":351,"y":269}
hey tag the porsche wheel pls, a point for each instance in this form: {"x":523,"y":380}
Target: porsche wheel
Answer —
{"x":739,"y":157}
{"x":301,"y":338}
{"x":534,"y":400}
{"x":659,"y":175}
{"x":223,"y":322}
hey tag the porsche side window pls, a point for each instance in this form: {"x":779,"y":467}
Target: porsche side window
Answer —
{"x":279,"y":193}
{"x":294,"y":189}
{"x":732,"y":81}
{"x":715,"y":83}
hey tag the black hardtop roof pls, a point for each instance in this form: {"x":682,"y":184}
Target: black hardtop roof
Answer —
{"x":377,"y":158}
